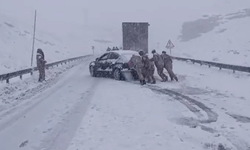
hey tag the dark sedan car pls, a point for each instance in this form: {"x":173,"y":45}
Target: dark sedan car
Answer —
{"x":113,"y":64}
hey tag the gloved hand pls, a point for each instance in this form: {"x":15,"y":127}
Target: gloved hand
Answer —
{"x":125,"y":65}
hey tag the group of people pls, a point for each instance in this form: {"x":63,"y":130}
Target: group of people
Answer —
{"x":113,"y":49}
{"x":145,"y":67}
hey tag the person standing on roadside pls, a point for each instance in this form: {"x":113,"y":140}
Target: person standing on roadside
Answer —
{"x":40,"y":60}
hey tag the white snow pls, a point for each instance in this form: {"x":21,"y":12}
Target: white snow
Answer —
{"x":231,"y":46}
{"x":34,"y":116}
{"x":73,"y":110}
{"x":125,"y":116}
{"x":69,"y":28}
{"x":77,"y":111}
{"x":16,"y":43}
{"x":223,"y":91}
{"x":17,"y":90}
{"x":124,"y":52}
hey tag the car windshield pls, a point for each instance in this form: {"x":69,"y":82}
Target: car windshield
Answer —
{"x":126,"y":57}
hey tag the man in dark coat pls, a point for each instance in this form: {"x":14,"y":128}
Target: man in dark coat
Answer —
{"x":159,"y":63}
{"x":168,"y":65}
{"x":40,"y":60}
{"x":135,"y":62}
{"x":149,"y":68}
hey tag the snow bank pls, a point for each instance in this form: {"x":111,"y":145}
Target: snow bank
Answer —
{"x":18,"y":90}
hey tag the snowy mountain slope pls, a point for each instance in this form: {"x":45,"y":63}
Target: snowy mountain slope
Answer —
{"x":222,"y":38}
{"x":16,"y":44}
{"x":58,"y":41}
{"x":76,"y":25}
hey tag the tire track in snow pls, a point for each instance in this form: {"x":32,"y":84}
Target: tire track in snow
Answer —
{"x":240,"y":144}
{"x":188,"y":102}
{"x":64,"y":132}
{"x":212,"y":116}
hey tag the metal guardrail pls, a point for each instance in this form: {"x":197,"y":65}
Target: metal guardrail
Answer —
{"x":214,"y":64}
{"x":20,"y":73}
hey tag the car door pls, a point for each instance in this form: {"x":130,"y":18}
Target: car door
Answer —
{"x":102,"y":61}
{"x":112,"y":58}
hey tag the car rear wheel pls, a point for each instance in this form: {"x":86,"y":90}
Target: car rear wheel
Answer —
{"x":117,"y":74}
{"x":92,"y":71}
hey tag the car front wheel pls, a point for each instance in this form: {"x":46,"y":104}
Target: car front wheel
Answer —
{"x":117,"y":74}
{"x":92,"y":71}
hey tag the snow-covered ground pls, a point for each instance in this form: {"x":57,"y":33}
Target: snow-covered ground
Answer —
{"x":206,"y":110}
{"x":76,"y":111}
{"x":227,"y":93}
{"x":18,"y":90}
{"x":218,"y":37}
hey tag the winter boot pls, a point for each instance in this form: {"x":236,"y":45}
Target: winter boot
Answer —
{"x":142,"y":82}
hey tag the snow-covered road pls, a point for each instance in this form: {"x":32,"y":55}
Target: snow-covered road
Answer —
{"x":79,"y":112}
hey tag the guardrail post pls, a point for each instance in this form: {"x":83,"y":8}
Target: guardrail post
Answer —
{"x":21,"y":77}
{"x":209,"y":66}
{"x":8,"y":81}
{"x":233,"y":71}
{"x":220,"y":68}
{"x":201,"y":64}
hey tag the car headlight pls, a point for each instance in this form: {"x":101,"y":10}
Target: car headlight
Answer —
{"x":92,"y":63}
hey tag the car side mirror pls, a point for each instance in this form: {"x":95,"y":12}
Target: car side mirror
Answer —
{"x":97,"y":59}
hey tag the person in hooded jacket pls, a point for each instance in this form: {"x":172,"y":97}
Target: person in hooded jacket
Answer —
{"x":149,"y":68}
{"x":108,"y":49}
{"x":40,"y":60}
{"x":168,"y":65}
{"x":159,"y":63}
